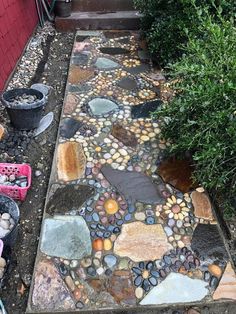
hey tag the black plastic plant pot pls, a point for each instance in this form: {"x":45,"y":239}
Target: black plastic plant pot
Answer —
{"x":24,"y":116}
{"x":7,"y":205}
{"x":63,"y":8}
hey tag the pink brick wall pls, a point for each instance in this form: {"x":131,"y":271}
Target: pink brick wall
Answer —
{"x":18,"y":19}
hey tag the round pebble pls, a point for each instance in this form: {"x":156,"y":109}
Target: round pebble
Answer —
{"x":139,"y":293}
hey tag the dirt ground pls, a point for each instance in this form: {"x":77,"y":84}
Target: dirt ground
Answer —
{"x":52,"y":70}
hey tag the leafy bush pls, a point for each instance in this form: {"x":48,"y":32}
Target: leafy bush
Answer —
{"x":201,"y":118}
{"x":165,"y":22}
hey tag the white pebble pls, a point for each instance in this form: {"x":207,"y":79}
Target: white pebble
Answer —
{"x":6,"y":216}
{"x":5,"y":224}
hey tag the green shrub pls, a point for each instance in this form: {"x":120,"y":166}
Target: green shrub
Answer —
{"x":165,"y":22}
{"x":201,"y":118}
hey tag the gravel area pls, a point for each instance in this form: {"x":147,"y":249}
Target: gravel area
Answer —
{"x":46,"y":60}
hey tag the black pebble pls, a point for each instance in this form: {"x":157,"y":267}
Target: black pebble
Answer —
{"x":213,"y":282}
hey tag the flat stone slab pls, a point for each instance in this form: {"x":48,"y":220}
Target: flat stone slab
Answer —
{"x":105,"y":63}
{"x":135,"y":186}
{"x":66,"y":237}
{"x":180,"y":289}
{"x":149,"y":242}
{"x":214,"y":245}
{"x":101,"y":106}
{"x":50,"y":291}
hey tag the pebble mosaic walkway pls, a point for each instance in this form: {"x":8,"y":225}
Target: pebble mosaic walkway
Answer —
{"x":114,"y":234}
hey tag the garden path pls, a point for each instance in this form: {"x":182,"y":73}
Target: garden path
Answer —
{"x":114,"y":234}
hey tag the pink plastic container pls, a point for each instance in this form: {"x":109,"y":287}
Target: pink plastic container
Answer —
{"x":16,"y":192}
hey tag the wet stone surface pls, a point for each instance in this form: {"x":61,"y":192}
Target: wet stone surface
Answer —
{"x":214,"y":245}
{"x":145,"y":110}
{"x":68,"y":198}
{"x":114,"y":50}
{"x":117,"y":233}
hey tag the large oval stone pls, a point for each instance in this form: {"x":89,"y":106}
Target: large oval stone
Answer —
{"x":71,"y":161}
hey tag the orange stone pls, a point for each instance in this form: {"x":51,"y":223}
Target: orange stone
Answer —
{"x":202,"y":205}
{"x":77,"y":294}
{"x":111,"y":206}
{"x":71,"y":161}
{"x":2,"y":132}
{"x":177,"y":173}
{"x":98,"y":244}
{"x":215,"y":270}
{"x":145,"y":274}
{"x":78,"y":75}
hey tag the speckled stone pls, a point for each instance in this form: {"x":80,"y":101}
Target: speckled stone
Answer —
{"x":49,"y":291}
{"x":213,"y":247}
{"x":65,"y":236}
{"x":125,"y":136}
{"x":67,"y":198}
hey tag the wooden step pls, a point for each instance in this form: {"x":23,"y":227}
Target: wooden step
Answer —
{"x":121,"y":20}
{"x":102,"y":5}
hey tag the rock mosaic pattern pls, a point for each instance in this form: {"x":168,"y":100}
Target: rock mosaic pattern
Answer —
{"x":120,"y":230}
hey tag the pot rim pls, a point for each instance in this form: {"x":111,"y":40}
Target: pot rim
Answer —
{"x":22,"y":106}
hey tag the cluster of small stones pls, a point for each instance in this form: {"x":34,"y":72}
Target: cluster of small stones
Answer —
{"x":3,"y":264}
{"x":7,"y":223}
{"x":14,"y":144}
{"x":12,"y":180}
{"x":23,"y":99}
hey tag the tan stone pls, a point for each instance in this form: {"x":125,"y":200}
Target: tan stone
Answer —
{"x":71,"y":161}
{"x":141,"y":242}
{"x":78,"y":75}
{"x":71,"y":102}
{"x":2,"y":132}
{"x":227,"y":286}
{"x":215,"y":270}
{"x":202,"y":205}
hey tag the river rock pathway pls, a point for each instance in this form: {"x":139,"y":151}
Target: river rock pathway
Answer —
{"x":115,"y":235}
